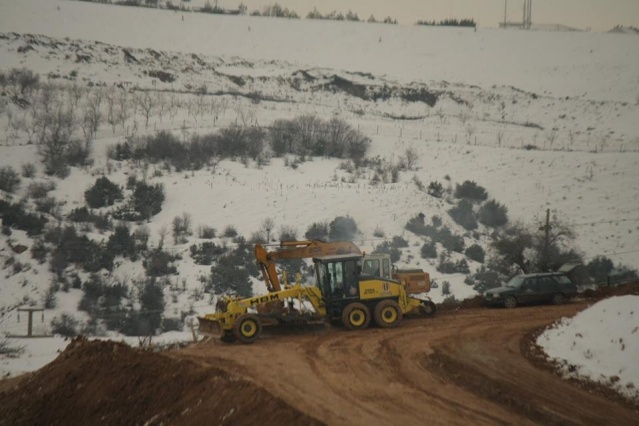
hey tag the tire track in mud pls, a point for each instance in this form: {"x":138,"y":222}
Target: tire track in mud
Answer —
{"x":462,"y":367}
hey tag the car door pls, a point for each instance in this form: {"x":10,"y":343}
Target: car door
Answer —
{"x":529,"y":291}
{"x":547,"y":288}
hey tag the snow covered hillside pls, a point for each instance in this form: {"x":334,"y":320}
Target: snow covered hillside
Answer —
{"x":552,"y":128}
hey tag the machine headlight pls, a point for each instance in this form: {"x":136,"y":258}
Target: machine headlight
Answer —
{"x":496,"y":295}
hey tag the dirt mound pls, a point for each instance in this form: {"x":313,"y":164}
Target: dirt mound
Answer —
{"x":96,"y":382}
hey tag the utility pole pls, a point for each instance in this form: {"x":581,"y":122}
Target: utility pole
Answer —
{"x":546,"y":229}
{"x":505,"y":12}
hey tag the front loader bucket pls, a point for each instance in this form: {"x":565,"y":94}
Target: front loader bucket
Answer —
{"x":210,"y":327}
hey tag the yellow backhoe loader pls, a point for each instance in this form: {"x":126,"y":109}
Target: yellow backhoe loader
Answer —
{"x":343,"y":295}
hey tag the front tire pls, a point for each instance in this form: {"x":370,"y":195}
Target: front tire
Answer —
{"x":558,"y":299}
{"x":510,"y":302}
{"x":247,"y":328}
{"x":388,"y":314}
{"x":356,"y":316}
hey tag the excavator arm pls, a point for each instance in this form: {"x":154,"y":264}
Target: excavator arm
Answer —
{"x":297,"y":250}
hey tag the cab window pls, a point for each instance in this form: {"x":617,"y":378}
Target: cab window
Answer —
{"x":371,"y":267}
{"x":386,"y":267}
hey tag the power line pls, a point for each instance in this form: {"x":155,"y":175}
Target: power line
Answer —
{"x":607,"y":221}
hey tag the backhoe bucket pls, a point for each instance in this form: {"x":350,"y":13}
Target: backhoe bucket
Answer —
{"x":210,"y":327}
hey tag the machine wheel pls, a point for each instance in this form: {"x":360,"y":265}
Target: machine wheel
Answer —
{"x":558,"y":299}
{"x":510,"y":302}
{"x":356,"y":316}
{"x":428,"y":308}
{"x":247,"y":328}
{"x":387,"y":314}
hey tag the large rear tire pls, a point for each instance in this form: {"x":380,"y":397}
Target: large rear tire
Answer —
{"x":247,"y":328}
{"x":356,"y":316}
{"x":428,"y":308}
{"x":387,"y":314}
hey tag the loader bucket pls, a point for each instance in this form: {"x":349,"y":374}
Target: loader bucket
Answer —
{"x":210,"y":327}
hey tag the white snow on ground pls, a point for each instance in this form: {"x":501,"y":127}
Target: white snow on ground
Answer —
{"x":600,"y":343}
{"x":580,"y":89}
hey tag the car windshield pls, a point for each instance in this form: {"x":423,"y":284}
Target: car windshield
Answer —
{"x":515,"y":282}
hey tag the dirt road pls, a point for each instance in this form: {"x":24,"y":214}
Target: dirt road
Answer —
{"x":462,"y":367}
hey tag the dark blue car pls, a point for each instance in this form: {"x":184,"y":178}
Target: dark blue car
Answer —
{"x":532,"y":288}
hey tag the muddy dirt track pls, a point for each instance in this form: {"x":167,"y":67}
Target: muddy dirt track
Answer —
{"x":469,"y":366}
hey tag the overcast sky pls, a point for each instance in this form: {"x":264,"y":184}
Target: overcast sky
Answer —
{"x":598,"y":15}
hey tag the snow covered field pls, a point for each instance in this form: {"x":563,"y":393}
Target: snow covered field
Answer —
{"x":574,"y":96}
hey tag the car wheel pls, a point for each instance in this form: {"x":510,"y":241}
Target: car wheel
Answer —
{"x":558,"y":299}
{"x":510,"y":302}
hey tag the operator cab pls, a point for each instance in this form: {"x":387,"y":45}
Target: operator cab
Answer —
{"x":377,"y":265}
{"x":338,"y":276}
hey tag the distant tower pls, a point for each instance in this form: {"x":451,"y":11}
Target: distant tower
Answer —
{"x":527,"y":14}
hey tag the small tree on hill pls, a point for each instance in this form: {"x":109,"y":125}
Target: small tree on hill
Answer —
{"x":471,"y":191}
{"x":9,"y":179}
{"x":493,"y":214}
{"x":317,"y":231}
{"x":147,"y":199}
{"x":342,"y":229}
{"x":464,"y":215}
{"x":102,"y":193}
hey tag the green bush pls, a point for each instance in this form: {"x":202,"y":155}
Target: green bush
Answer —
{"x":471,"y":191}
{"x":205,"y":253}
{"x":476,"y":253}
{"x":147,"y":199}
{"x":14,"y":216}
{"x":464,"y":215}
{"x":317,"y":231}
{"x":342,"y":228}
{"x":64,"y":325}
{"x":429,"y":250}
{"x":387,"y":248}
{"x":494,"y":214}
{"x":159,"y":263}
{"x":435,"y":189}
{"x":103,"y":193}
{"x":9,"y":179}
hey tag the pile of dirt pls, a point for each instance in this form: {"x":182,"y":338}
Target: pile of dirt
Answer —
{"x":104,"y":382}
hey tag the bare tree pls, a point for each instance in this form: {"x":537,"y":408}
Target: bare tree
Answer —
{"x":267,"y":226}
{"x":112,"y":110}
{"x":470,"y":131}
{"x":551,"y":136}
{"x":410,"y":158}
{"x":147,"y":103}
{"x":191,"y":108}
{"x":162,"y":233}
{"x":200,"y":102}
{"x":124,"y":105}
{"x":94,"y":115}
{"x":463,"y":117}
{"x":56,"y":140}
{"x":76,"y":92}
{"x":160,"y":101}
{"x":174,"y":105}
